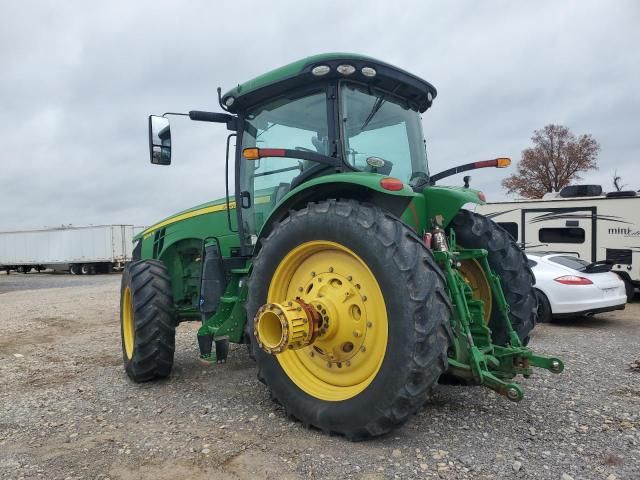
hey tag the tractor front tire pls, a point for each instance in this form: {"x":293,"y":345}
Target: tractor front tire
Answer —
{"x":147,"y":323}
{"x":349,"y":254}
{"x":508,"y":261}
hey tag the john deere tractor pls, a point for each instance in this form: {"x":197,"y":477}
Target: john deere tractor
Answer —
{"x":354,"y":280}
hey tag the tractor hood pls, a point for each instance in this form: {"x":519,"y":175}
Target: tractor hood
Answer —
{"x":209,"y":207}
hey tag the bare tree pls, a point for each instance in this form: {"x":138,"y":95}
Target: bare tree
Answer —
{"x":616,"y":182}
{"x":556,"y":158}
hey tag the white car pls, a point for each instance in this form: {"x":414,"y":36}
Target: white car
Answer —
{"x":568,"y":286}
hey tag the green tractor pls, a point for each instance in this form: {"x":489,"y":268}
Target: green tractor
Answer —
{"x":354,"y":280}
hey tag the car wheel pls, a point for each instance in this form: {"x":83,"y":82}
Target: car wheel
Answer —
{"x":544,"y":308}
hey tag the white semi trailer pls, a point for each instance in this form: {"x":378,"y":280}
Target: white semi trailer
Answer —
{"x":78,"y":250}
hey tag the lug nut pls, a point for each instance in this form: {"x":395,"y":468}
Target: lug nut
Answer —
{"x":330,"y":269}
{"x":369,"y":324}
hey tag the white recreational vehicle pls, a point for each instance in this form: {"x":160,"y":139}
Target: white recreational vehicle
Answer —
{"x":582,"y":220}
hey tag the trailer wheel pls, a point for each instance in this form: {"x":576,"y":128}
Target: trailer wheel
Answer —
{"x":385,"y":329}
{"x":74,"y":269}
{"x":510,"y":264}
{"x":147,"y":323}
{"x":87,"y":269}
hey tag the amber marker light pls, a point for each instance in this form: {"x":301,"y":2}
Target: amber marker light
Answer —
{"x":503,"y":162}
{"x":251,"y":153}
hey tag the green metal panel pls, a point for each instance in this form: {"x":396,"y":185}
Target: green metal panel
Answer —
{"x":370,"y":181}
{"x":447,"y":201}
{"x":290,"y":70}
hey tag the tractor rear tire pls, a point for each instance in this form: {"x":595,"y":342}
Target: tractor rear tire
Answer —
{"x":510,"y":264}
{"x":402,"y":272}
{"x":147,"y":323}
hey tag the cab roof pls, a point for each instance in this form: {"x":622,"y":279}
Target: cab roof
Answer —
{"x":418,"y":92}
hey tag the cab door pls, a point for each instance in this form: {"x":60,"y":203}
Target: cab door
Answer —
{"x":570,"y":230}
{"x":297,"y":122}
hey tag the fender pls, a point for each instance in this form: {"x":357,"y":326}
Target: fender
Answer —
{"x":447,"y":201}
{"x":360,"y":185}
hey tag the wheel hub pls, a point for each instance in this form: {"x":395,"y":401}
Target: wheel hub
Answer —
{"x":346,"y":308}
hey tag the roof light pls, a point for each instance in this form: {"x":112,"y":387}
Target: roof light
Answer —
{"x":320,"y":70}
{"x":482,"y":196}
{"x":346,"y":69}
{"x":368,"y":71}
{"x":573,"y":280}
{"x":430,"y":96}
{"x":392,"y":184}
{"x":229,"y":101}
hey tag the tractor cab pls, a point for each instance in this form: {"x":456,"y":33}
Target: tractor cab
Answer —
{"x":327,"y":114}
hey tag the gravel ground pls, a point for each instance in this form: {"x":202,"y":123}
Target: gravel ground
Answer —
{"x":67,"y":409}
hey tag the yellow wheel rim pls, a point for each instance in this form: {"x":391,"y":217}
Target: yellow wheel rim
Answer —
{"x":474,"y":275}
{"x":128,"y":325}
{"x":348,"y":353}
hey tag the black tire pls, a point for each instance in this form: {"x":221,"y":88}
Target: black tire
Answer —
{"x":509,"y":262}
{"x":74,"y":269}
{"x":629,"y":289}
{"x":544,"y":312}
{"x":153,"y":319}
{"x":414,"y":290}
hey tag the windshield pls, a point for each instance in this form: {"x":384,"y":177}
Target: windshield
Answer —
{"x":381,"y":133}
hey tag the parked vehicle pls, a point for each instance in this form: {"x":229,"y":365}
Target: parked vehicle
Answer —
{"x":355,"y":281}
{"x":78,"y":250}
{"x":567,"y":286}
{"x":581,"y":220}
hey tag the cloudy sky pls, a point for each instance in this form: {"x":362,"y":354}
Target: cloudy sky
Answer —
{"x":78,"y":80}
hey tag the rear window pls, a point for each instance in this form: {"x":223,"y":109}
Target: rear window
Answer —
{"x":561,"y":235}
{"x":511,"y":228}
{"x":571,"y":262}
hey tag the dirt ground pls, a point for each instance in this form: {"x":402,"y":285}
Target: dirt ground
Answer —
{"x":68,"y":410}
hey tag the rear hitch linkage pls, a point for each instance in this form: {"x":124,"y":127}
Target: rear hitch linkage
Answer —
{"x":473,"y":356}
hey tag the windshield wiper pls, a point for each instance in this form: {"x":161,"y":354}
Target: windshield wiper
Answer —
{"x":376,"y":106}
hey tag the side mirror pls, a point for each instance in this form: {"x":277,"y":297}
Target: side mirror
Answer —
{"x":159,"y":140}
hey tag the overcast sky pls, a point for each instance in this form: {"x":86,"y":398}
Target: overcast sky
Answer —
{"x":77,"y":82}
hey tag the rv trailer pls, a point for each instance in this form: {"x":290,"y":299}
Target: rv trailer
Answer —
{"x":581,"y":220}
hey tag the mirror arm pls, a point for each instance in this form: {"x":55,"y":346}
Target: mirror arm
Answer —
{"x":214,"y":117}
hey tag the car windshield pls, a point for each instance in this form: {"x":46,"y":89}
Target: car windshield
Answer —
{"x":571,"y":262}
{"x":381,"y":133}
